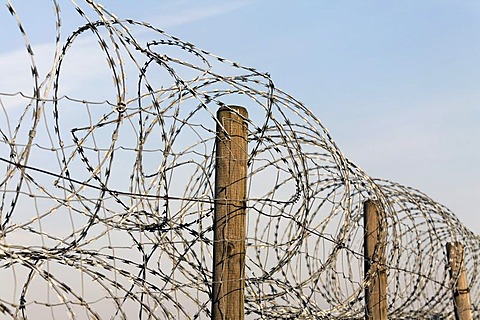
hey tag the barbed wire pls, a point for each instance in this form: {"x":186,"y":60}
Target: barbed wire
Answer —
{"x":107,"y":202}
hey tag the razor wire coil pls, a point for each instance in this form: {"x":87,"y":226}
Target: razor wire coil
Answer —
{"x":107,"y":201}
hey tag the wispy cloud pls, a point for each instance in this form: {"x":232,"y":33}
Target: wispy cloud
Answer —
{"x":82,"y":63}
{"x":85,"y":61}
{"x":187,"y":12}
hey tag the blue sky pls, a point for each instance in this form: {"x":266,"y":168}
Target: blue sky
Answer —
{"x":395,"y":82}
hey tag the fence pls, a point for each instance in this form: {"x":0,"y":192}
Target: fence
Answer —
{"x":109,"y":197}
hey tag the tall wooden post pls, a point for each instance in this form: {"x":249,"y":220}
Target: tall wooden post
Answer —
{"x":230,"y":215}
{"x":461,"y":295}
{"x":375,"y":260}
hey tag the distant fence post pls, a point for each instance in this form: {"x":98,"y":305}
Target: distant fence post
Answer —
{"x":229,"y":224}
{"x":375,"y":260}
{"x":461,"y":294}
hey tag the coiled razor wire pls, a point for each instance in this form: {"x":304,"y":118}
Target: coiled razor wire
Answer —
{"x":107,"y":202}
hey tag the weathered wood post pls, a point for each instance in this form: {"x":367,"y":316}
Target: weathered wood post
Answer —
{"x":461,"y":292}
{"x":375,"y":260}
{"x":230,"y":215}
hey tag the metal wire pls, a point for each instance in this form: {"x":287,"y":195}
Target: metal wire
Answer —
{"x":106,"y":202}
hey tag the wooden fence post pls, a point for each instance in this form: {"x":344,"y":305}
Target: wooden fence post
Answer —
{"x":461,"y":294}
{"x":229,"y":224}
{"x":375,"y":260}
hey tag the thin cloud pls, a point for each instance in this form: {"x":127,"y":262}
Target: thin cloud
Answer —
{"x":188,"y":13}
{"x":16,"y":73}
{"x":17,"y":62}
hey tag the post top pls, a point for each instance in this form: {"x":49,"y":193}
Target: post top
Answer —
{"x":233,"y":108}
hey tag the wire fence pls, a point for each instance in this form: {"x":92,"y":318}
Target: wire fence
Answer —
{"x":107,"y":196}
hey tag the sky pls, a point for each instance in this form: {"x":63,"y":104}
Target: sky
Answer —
{"x":395,"y":82}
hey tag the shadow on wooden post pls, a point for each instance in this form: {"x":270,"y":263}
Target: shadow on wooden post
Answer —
{"x":461,"y":292}
{"x":230,"y":215}
{"x":375,"y":260}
